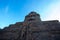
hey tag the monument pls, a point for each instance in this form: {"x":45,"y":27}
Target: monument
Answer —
{"x":32,"y":28}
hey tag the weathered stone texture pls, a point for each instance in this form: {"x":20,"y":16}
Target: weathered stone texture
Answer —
{"x":32,"y":29}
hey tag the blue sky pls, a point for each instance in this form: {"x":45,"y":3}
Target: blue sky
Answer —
{"x":12,"y":11}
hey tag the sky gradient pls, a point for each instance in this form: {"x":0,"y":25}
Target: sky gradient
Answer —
{"x":12,"y":11}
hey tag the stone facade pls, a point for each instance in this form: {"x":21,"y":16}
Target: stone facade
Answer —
{"x":32,"y":29}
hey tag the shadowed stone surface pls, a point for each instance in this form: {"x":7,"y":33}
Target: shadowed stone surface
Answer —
{"x":32,"y":29}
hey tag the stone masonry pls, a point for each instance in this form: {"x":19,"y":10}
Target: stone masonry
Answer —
{"x":32,"y":28}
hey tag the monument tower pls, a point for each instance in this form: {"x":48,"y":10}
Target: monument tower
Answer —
{"x":31,"y":18}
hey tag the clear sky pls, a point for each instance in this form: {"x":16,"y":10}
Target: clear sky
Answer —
{"x":12,"y":11}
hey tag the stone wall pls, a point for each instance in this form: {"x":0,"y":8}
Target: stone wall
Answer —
{"x":32,"y":30}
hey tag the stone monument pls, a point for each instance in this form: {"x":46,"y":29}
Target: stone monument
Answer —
{"x":32,"y":28}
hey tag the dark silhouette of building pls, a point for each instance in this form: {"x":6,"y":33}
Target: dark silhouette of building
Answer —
{"x":33,"y":28}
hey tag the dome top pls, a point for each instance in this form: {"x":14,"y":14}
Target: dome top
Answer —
{"x":33,"y":13}
{"x":32,"y":17}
